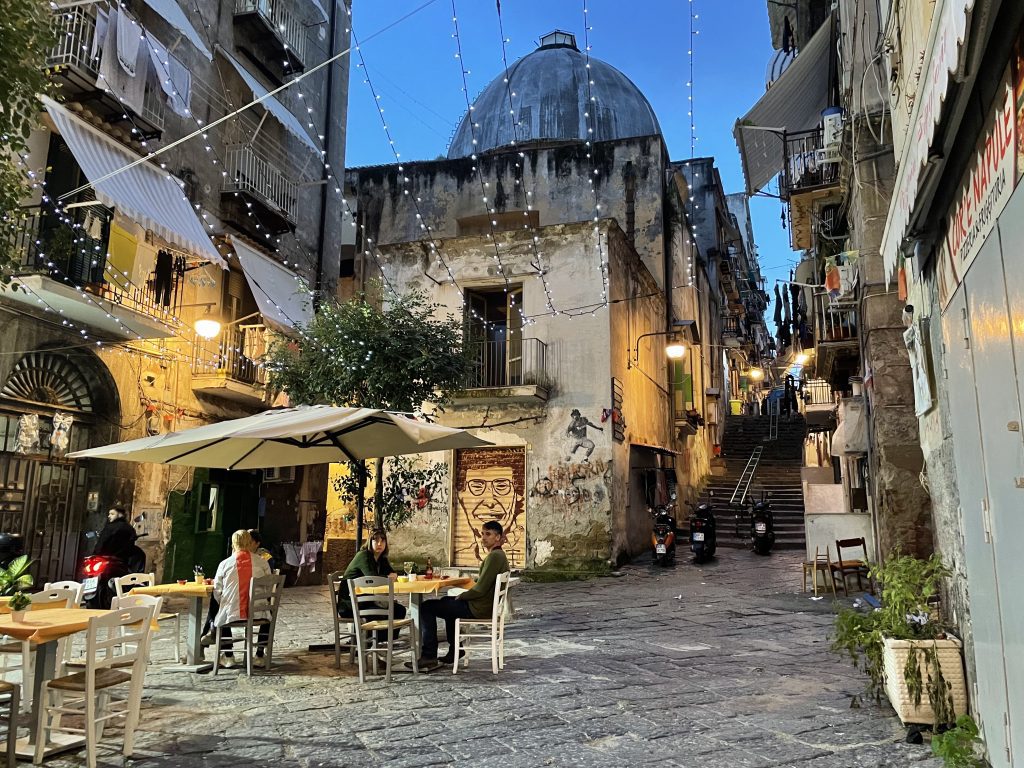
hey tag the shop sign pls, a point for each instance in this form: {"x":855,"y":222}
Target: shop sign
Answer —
{"x":985,"y":188}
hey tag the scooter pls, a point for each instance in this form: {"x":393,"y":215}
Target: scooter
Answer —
{"x":703,"y":540}
{"x":663,"y":537}
{"x":99,"y":571}
{"x":762,"y":527}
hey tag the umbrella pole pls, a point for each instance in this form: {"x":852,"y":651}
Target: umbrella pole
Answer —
{"x":360,"y":467}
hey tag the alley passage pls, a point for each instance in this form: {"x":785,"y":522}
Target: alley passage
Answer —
{"x":724,"y":665}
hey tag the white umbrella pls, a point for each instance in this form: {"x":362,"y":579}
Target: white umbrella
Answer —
{"x":313,"y":434}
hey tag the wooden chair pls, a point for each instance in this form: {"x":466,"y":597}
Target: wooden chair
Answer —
{"x":342,"y":628}
{"x":847,"y":566}
{"x":821,"y":564}
{"x":492,"y":629}
{"x":63,"y":598}
{"x":10,"y":694}
{"x":264,"y":600}
{"x":124,"y":584}
{"x":370,"y":617}
{"x":115,"y":646}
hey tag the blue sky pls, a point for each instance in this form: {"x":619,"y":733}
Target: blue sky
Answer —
{"x":415,"y":72}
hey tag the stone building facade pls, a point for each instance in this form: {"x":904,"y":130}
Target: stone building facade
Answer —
{"x":98,"y":343}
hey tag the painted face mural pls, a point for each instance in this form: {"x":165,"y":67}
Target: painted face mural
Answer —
{"x":490,"y":485}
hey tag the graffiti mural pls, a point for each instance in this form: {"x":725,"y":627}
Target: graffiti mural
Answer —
{"x":570,"y":486}
{"x":577,"y":433}
{"x":490,"y":484}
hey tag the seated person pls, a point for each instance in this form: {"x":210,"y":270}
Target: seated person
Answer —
{"x":260,"y":550}
{"x":231,"y":586}
{"x":371,"y":560}
{"x":475,"y":603}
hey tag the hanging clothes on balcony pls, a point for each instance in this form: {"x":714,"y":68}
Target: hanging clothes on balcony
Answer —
{"x":172,"y":76}
{"x":164,"y":277}
{"x":778,"y":306}
{"x":113,"y":77}
{"x":129,"y":44}
{"x":787,"y":318}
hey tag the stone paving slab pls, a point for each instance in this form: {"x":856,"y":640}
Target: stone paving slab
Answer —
{"x":721,"y":666}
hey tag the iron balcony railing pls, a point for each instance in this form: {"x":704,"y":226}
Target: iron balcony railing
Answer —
{"x":509,"y":363}
{"x":809,"y":164}
{"x":818,"y":392}
{"x":237,"y":354}
{"x":836,"y":324}
{"x":76,"y":48}
{"x":248,"y":171}
{"x":280,"y":17}
{"x":76,"y":253}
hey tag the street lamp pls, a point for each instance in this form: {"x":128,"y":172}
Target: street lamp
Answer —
{"x":207,"y":326}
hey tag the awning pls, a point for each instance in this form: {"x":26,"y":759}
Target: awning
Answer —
{"x":280,"y":112}
{"x":283,"y":299}
{"x":145,"y":193}
{"x":794,"y":103}
{"x":171,"y":12}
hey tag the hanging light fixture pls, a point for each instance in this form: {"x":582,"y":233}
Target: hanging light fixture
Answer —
{"x":208,"y":324}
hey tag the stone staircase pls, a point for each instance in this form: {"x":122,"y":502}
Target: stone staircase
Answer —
{"x":778,"y":474}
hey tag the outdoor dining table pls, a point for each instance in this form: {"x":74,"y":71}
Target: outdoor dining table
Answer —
{"x":43,"y":628}
{"x":416,"y":590}
{"x":194,"y":661}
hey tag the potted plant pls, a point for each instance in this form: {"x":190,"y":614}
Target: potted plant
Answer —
{"x":904,"y":646}
{"x":15,"y":577}
{"x":18,"y":604}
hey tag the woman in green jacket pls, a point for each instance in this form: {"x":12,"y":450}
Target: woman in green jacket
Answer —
{"x":371,"y":560}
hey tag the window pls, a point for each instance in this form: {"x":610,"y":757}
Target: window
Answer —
{"x":494,"y":337}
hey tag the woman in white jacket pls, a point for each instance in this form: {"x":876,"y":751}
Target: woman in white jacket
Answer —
{"x":231,"y":584}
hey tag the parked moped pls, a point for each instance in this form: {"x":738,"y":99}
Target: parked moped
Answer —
{"x":703,"y":540}
{"x":663,"y":536}
{"x":762,"y":527}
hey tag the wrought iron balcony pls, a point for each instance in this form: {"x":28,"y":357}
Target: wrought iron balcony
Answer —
{"x":231,"y":366}
{"x":509,"y":370}
{"x":835,"y":324}
{"x":261,"y":183}
{"x":75,"y":61}
{"x":810,"y":165}
{"x":276,"y":23}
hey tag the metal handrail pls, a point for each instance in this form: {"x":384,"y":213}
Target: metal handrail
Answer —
{"x":773,"y":423}
{"x":747,"y":477}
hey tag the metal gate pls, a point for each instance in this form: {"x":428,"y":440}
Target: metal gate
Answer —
{"x":42,"y":501}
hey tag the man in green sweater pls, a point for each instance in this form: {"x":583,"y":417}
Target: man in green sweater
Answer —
{"x":475,"y":603}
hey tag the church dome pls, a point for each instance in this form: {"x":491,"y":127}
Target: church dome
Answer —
{"x":549,"y":102}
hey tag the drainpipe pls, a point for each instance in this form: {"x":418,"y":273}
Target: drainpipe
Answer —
{"x":331,"y":53}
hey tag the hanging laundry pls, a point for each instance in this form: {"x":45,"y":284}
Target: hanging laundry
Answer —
{"x":778,"y":306}
{"x":127,"y":88}
{"x":164,"y":277}
{"x":172,"y":77}
{"x":795,"y":291}
{"x":308,"y":555}
{"x":785,"y":306}
{"x":129,"y":43}
{"x":291,"y":554}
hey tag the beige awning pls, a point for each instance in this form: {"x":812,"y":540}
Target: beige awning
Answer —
{"x":794,"y":103}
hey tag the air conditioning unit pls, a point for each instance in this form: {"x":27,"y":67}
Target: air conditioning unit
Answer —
{"x":279,"y":475}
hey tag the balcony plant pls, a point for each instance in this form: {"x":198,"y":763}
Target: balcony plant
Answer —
{"x":904,"y":646}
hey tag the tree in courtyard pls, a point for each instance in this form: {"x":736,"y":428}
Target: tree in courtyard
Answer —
{"x":26,"y":38}
{"x":395,"y":357}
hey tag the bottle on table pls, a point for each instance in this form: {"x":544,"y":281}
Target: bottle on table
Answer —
{"x":429,"y":572}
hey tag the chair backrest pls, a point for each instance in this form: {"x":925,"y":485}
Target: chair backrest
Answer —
{"x":501,"y":585}
{"x":50,"y":596}
{"x":822,"y":558}
{"x":115,"y":638}
{"x":265,"y":596}
{"x":335,"y":582}
{"x":153,"y":602}
{"x":75,"y":586}
{"x":125,"y":583}
{"x":851,"y":544}
{"x":365,"y":607}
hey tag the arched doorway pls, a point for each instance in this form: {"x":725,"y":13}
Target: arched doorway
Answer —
{"x":52,"y":403}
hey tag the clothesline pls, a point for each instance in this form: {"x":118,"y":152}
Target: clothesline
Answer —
{"x":302,"y":554}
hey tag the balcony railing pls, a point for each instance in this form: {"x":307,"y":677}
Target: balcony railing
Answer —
{"x":76,"y":254}
{"x":835,"y":324}
{"x":507,"y":363}
{"x":819,"y":392}
{"x":236,"y":355}
{"x":249,"y":172}
{"x":282,"y":23}
{"x":809,"y":164}
{"x":77,"y":55}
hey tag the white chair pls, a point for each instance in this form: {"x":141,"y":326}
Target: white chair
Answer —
{"x":264,"y":600}
{"x":9,"y":695}
{"x":76,"y":586}
{"x":64,"y":598}
{"x":124,"y":584}
{"x":492,"y":629}
{"x":370,"y":617}
{"x":115,"y":648}
{"x":342,"y":628}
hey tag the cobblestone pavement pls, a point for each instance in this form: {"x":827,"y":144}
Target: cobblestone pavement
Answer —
{"x":725,"y":665}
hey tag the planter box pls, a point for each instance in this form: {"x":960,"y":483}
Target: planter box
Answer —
{"x":951,"y":663}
